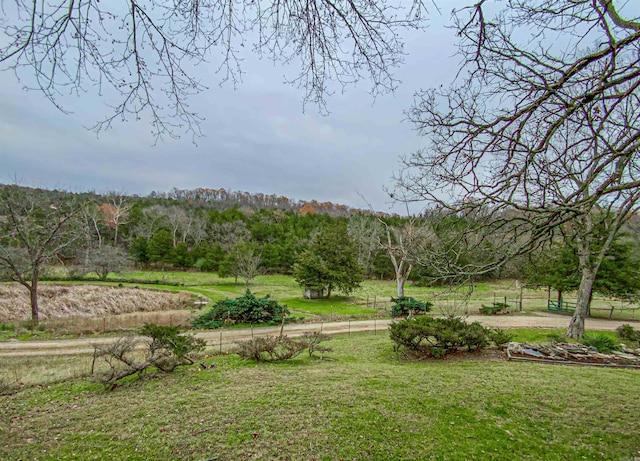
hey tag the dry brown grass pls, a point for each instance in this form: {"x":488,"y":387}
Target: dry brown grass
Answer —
{"x":61,"y":302}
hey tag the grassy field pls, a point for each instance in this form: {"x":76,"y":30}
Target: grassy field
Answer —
{"x":375,"y":295}
{"x":372,"y":299}
{"x":363,"y":404}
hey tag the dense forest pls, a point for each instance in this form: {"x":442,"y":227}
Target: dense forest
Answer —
{"x":241,"y":234}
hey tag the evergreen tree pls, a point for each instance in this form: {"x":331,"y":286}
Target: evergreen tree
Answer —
{"x":330,"y":262}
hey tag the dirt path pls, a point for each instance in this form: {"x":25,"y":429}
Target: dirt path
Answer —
{"x":215,"y":338}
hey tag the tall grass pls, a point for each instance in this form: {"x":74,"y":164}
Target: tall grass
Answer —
{"x":65,"y":301}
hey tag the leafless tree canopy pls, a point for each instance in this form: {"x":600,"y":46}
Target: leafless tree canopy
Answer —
{"x":540,"y":132}
{"x":141,"y":53}
{"x":544,"y":115}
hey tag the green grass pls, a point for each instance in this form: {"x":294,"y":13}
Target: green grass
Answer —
{"x":363,"y":404}
{"x":373,"y":298}
{"x":361,"y":301}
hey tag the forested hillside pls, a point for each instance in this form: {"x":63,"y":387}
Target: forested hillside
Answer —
{"x":241,"y":234}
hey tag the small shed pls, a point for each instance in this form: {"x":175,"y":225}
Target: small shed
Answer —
{"x":313,"y":293}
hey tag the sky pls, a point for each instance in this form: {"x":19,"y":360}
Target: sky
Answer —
{"x":258,"y":137}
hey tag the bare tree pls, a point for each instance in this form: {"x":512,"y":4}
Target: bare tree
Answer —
{"x":178,"y":221}
{"x":229,"y":234}
{"x":106,"y":259}
{"x":36,"y":227}
{"x":130,"y":50}
{"x":246,"y":262}
{"x":149,"y":223}
{"x":540,"y":132}
{"x":404,"y":245}
{"x":116,"y":213}
{"x":365,"y":231}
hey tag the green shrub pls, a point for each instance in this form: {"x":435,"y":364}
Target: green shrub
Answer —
{"x":627,"y":332}
{"x":245,"y":309}
{"x":494,"y":308}
{"x":603,"y":343}
{"x":435,"y":337}
{"x":406,"y":305}
{"x":499,"y":336}
{"x":556,"y":337}
{"x":169,"y":348}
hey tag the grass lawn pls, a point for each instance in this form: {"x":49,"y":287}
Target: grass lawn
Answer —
{"x":373,"y":298}
{"x":363,"y":404}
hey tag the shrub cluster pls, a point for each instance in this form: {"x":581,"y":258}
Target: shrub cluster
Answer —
{"x":406,"y":306}
{"x":603,"y":343}
{"x":435,"y":337}
{"x":495,"y":308}
{"x":627,"y":332}
{"x":165,"y":349}
{"x":245,"y":309}
{"x":276,"y":348}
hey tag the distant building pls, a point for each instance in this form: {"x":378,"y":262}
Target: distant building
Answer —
{"x":313,"y":293}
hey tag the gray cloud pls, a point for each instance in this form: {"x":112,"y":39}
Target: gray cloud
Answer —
{"x":257,"y":136}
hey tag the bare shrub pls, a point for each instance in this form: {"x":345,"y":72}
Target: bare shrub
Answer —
{"x":312,"y":343}
{"x":163,"y":348}
{"x":8,"y":387}
{"x":269,"y":348}
{"x":276,"y":348}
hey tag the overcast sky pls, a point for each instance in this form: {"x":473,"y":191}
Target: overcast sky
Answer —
{"x":257,"y":137}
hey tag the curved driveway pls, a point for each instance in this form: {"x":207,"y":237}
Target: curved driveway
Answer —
{"x":215,"y":338}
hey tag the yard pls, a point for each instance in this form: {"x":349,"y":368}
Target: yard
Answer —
{"x":363,"y":403}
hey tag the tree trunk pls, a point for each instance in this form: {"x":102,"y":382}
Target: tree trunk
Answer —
{"x":33,"y":294}
{"x":576,"y":326}
{"x":400,"y":282}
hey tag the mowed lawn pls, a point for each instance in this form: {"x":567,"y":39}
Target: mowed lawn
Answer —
{"x":374,"y":298}
{"x":363,"y":404}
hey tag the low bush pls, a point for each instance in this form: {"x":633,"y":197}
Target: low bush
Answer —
{"x":312,"y":342}
{"x":556,"y":337}
{"x":499,"y":337}
{"x":495,"y":308}
{"x":406,"y":306}
{"x":435,"y":337}
{"x":245,"y":309}
{"x":603,"y":343}
{"x":627,"y":332}
{"x":164,"y":349}
{"x":277,"y":348}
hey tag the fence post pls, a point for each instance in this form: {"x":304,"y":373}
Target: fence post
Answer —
{"x":521,"y":293}
{"x":375,"y":326}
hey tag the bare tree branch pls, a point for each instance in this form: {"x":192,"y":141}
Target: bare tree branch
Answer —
{"x":141,"y":54}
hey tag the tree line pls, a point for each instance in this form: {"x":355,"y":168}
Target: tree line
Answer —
{"x":105,"y":233}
